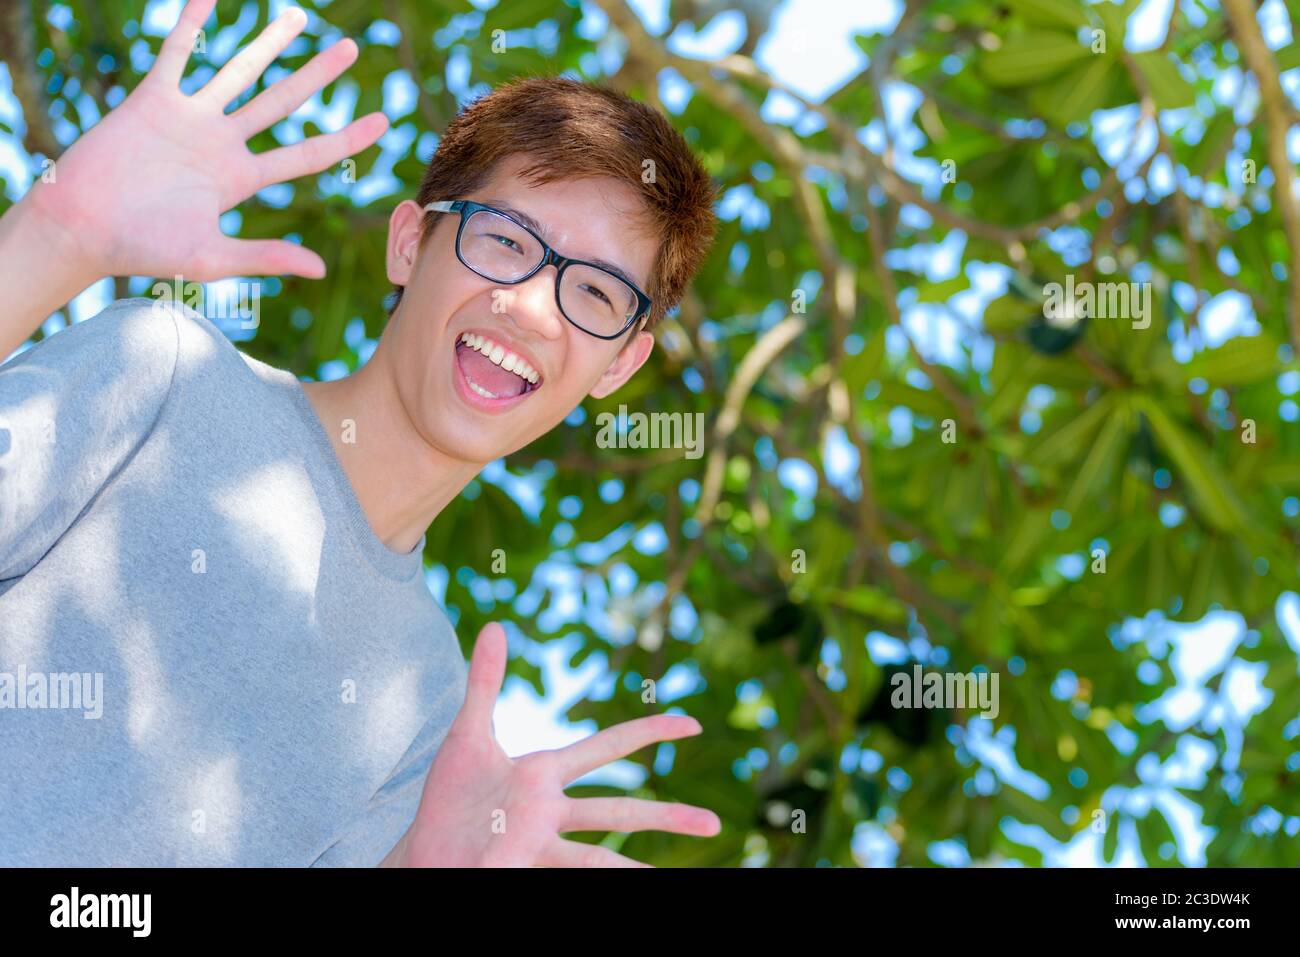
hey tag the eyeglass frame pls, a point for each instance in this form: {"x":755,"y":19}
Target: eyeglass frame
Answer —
{"x":468,"y":207}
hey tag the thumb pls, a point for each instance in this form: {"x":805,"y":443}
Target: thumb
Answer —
{"x":266,"y":257}
{"x":487,"y":669}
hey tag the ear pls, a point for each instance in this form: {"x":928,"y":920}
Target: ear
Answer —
{"x":403,"y":241}
{"x":630,"y":358}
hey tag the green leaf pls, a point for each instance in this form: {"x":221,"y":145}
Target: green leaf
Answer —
{"x":1031,"y":57}
{"x":863,"y":367}
{"x":1007,"y":314}
{"x":1196,"y":597}
{"x":942,"y":291}
{"x":1035,"y":525}
{"x":1214,"y":497}
{"x":1239,"y":361}
{"x":1110,"y":840}
{"x":1032,"y":811}
{"x":456,"y":6}
{"x":516,"y":14}
{"x":923,"y":402}
{"x":1010,"y":396}
{"x":1051,"y":13}
{"x":1155,"y":573}
{"x":1076,"y":94}
{"x":1288,"y":58}
{"x":1283,"y":474}
{"x":1065,"y":442}
{"x":1168,"y":88}
{"x":963,"y":498}
{"x":867,"y":42}
{"x":1153,"y":831}
{"x":1101,"y":458}
{"x":1213,"y":145}
{"x":1114,"y":19}
{"x":867,"y":601}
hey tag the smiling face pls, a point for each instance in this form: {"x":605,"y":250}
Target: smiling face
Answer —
{"x":453,"y":327}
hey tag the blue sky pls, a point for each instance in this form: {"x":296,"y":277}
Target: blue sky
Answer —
{"x":810,"y":49}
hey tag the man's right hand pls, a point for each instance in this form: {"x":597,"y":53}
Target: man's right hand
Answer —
{"x":141,"y":193}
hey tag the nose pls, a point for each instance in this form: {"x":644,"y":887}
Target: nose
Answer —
{"x":532,"y":306}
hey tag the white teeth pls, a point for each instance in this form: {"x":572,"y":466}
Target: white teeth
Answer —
{"x":479,"y":389}
{"x":498,"y":354}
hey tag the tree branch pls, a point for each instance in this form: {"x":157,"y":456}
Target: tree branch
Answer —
{"x":1245,"y":27}
{"x":756,"y":361}
{"x":17,"y":48}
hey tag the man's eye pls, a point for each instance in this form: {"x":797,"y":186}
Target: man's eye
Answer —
{"x":506,"y":239}
{"x":596,"y":292}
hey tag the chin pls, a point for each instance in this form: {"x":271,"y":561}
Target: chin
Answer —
{"x":471,"y":441}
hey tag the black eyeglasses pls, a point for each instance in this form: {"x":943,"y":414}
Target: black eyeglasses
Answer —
{"x":500,"y":249}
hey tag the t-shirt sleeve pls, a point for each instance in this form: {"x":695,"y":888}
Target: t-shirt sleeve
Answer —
{"x":73,"y":410}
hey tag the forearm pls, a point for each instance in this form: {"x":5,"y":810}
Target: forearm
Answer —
{"x":42,"y":267}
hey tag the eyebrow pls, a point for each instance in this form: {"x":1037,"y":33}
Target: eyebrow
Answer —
{"x":542,"y":231}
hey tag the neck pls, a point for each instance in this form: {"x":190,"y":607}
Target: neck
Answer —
{"x":401,"y":482}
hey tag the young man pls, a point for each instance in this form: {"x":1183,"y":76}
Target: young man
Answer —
{"x":216,"y":641}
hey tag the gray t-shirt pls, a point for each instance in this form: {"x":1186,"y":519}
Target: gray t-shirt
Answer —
{"x":206,"y":655}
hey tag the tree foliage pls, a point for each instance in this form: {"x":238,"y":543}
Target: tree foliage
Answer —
{"x":1029,"y":496}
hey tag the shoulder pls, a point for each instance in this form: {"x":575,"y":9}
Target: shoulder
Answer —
{"x":140,"y":330}
{"x":159,"y":324}
{"x":73,"y":407}
{"x":126,"y":344}
{"x":165,"y":328}
{"x":136,"y":351}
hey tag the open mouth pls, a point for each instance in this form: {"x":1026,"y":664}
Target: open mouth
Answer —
{"x":493,"y":373}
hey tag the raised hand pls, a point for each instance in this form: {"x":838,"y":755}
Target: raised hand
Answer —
{"x":481,"y":808}
{"x":142,"y":192}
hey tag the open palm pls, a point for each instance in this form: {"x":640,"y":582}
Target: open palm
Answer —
{"x":483,"y":808}
{"x":142,"y":192}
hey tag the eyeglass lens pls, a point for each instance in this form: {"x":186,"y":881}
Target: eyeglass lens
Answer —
{"x":503,"y":251}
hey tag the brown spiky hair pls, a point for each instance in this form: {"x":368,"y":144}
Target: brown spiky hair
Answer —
{"x":570,"y":129}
